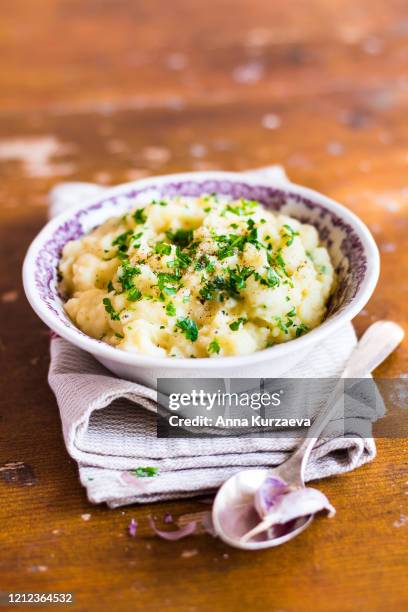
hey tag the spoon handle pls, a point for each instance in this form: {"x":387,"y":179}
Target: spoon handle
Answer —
{"x":379,"y":341}
{"x":375,"y":345}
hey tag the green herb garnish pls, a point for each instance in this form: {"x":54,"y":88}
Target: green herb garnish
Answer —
{"x":210,"y":197}
{"x":139,"y":216}
{"x":272,"y":278}
{"x":188,"y":327}
{"x":229,"y":245}
{"x":276,"y":261}
{"x":162,"y":248}
{"x":235,"y":325}
{"x":136,"y":245}
{"x":145,"y":472}
{"x":123,"y":240}
{"x":243,"y":208}
{"x":204,"y":263}
{"x":134,"y":294}
{"x":281,"y":325}
{"x":231,"y":284}
{"x":168,"y":283}
{"x":114,"y":315}
{"x":127,"y":273}
{"x":289,"y":233}
{"x":214,"y":346}
{"x":301,"y":329}
{"x":180,"y":237}
{"x":171,"y":309}
{"x":181,"y":261}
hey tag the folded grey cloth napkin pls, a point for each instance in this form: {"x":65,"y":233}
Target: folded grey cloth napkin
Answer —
{"x":109,"y":424}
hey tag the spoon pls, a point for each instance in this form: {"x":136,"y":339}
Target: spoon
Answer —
{"x":248,"y":530}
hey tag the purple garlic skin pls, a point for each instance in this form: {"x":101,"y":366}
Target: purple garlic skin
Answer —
{"x":300,"y":502}
{"x":275,"y":498}
{"x":268,"y":494}
{"x":282,"y":508}
{"x":175,"y":534}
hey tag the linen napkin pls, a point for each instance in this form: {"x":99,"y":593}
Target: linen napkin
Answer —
{"x":109,"y":424}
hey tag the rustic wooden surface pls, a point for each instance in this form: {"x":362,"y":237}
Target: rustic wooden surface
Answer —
{"x":110,"y":90}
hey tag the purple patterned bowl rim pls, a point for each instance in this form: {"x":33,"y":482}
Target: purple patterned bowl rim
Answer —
{"x":35,"y":288}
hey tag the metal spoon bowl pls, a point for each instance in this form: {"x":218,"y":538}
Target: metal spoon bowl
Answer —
{"x":238,"y":492}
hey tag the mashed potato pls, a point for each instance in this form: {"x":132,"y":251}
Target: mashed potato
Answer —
{"x":197,"y":277}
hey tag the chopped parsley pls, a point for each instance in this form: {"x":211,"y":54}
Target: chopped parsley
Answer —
{"x":211,"y":197}
{"x":134,"y":294}
{"x":145,"y":472}
{"x":188,"y":327}
{"x":170,"y":309}
{"x":204,"y":263}
{"x":168,"y":283}
{"x":181,"y":261}
{"x":140,"y":216}
{"x":276,"y":261}
{"x":229,"y":245}
{"x":123,"y":240}
{"x":127,"y":273}
{"x":243,"y":208}
{"x":136,"y":245}
{"x":235,"y":325}
{"x":289,"y":233}
{"x":180,"y":237}
{"x":252,"y":236}
{"x":162,"y":248}
{"x":284,"y":325}
{"x":281,"y":325}
{"x":231,"y":284}
{"x":271,"y":279}
{"x":237,"y":278}
{"x":214,"y":346}
{"x":233,"y":243}
{"x":301,"y":329}
{"x":114,"y":315}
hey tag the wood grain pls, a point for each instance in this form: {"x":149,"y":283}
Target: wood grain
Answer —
{"x":110,"y":90}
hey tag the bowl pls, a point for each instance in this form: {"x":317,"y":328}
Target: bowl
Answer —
{"x":352,"y":248}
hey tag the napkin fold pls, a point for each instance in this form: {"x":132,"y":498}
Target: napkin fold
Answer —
{"x":109,"y":424}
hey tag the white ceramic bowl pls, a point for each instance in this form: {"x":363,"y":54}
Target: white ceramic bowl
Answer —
{"x":351,"y":246}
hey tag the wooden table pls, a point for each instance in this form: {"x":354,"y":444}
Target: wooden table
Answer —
{"x":113,"y":90}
